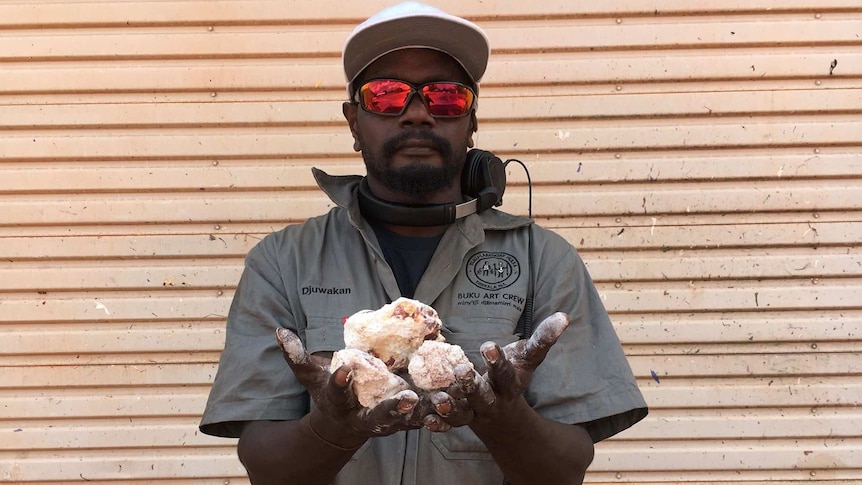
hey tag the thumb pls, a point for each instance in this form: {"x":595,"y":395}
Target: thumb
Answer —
{"x":291,"y":345}
{"x":532,"y":352}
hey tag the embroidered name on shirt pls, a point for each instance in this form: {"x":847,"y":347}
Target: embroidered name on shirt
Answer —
{"x":475,"y":298}
{"x":320,"y":290}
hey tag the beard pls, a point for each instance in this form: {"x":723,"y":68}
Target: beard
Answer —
{"x":417,"y":179}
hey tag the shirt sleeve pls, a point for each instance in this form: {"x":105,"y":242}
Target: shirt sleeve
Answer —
{"x":585,"y":378}
{"x":253,"y":381}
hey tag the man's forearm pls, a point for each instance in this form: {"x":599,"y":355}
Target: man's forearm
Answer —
{"x":531,"y":449}
{"x":280,"y":452}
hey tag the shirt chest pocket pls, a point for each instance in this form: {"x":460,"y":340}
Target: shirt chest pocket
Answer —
{"x":471,"y":332}
{"x":460,"y":444}
{"x":324,"y":334}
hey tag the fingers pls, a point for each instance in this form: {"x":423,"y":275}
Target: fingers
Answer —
{"x":548,"y":331}
{"x":501,"y":373}
{"x":311,"y":373}
{"x":477,"y":390}
{"x":531,"y":352}
{"x":291,"y":345}
{"x":337,"y":389}
{"x":390,"y":413}
{"x":341,"y":377}
{"x":401,"y":404}
{"x":436,"y":424}
{"x":442,"y":403}
{"x":451,"y":412}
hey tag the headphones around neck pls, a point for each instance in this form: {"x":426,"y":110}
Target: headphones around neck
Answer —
{"x":483,"y":179}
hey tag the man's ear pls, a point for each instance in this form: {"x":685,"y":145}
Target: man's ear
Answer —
{"x":349,"y":111}
{"x":474,"y":127}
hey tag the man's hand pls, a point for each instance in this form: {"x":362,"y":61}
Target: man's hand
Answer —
{"x":337,"y":416}
{"x":498,"y":393}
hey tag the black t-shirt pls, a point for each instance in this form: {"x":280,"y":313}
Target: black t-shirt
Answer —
{"x":407,"y":256}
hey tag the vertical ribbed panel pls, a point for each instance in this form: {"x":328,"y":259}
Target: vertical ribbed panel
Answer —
{"x":705,"y":158}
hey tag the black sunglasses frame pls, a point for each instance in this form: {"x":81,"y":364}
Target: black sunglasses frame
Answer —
{"x":415,"y":89}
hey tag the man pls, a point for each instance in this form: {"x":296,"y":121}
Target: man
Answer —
{"x":534,"y":408}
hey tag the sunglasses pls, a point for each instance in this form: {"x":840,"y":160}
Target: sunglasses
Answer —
{"x":390,"y":97}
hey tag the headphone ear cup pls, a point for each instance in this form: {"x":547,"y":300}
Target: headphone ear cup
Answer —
{"x":483,"y":178}
{"x":470,"y":173}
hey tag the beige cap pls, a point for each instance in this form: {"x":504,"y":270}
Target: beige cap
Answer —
{"x":414,"y":25}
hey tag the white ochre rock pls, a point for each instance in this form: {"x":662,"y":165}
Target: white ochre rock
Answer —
{"x":433,"y":364}
{"x":404,"y":334}
{"x":393,"y":332}
{"x":371,"y":380}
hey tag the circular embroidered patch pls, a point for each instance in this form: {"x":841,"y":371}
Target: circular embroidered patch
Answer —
{"x":493,"y":271}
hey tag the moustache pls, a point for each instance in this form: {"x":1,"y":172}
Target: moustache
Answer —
{"x":438,"y":143}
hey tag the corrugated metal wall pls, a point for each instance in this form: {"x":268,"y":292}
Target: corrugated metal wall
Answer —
{"x":705,"y":156}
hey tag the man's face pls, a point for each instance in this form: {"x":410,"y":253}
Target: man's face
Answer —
{"x":413,"y":155}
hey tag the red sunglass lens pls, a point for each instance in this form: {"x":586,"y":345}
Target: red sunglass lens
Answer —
{"x":385,"y":96}
{"x":389,"y":96}
{"x":447,"y":99}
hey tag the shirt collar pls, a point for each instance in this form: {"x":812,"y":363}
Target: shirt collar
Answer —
{"x":341,"y":189}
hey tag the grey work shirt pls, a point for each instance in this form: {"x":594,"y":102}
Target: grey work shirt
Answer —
{"x":308,"y":277}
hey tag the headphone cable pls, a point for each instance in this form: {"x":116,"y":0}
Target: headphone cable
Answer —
{"x":527,"y":315}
